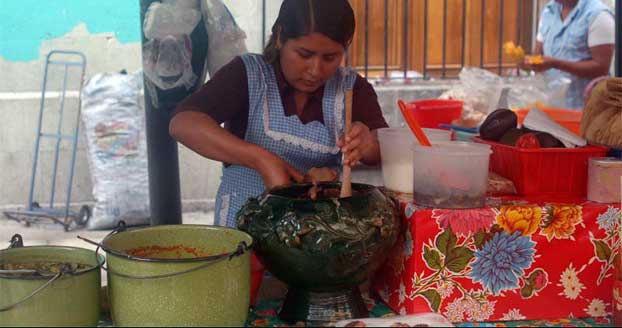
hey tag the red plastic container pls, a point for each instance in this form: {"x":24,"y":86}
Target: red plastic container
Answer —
{"x":551,"y":172}
{"x":257,"y":272}
{"x":430,"y":113}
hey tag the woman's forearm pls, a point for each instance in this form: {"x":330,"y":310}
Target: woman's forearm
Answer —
{"x":586,"y":69}
{"x":598,"y":66}
{"x":199,"y":132}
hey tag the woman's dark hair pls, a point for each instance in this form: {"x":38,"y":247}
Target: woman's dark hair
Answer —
{"x":332,"y":18}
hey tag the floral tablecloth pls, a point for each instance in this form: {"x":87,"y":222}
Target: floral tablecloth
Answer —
{"x":511,"y":260}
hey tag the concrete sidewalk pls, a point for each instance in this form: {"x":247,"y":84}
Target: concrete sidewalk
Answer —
{"x":53,"y":234}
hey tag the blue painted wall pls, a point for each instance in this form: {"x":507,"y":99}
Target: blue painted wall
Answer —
{"x":25,"y":24}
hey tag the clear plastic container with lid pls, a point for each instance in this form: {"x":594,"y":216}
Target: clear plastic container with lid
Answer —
{"x":604,"y":182}
{"x":397,"y":156}
{"x":451,"y":175}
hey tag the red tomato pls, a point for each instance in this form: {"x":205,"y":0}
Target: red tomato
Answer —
{"x":528,"y":140}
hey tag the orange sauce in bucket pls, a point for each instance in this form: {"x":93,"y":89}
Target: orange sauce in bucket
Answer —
{"x":167,"y":252}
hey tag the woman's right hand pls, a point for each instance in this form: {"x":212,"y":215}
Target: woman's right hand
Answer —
{"x":276,"y":172}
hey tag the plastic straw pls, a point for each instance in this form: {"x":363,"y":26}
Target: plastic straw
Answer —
{"x":414,"y":125}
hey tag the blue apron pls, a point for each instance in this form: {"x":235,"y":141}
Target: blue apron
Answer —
{"x":302,"y":145}
{"x":567,"y":40}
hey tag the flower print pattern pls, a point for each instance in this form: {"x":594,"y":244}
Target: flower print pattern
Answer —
{"x":609,"y":219}
{"x":455,"y":310}
{"x":479,"y":310}
{"x":408,"y":244}
{"x":525,"y":219}
{"x":562,"y":222}
{"x":465,"y":222}
{"x":444,"y":288}
{"x":513,"y":315}
{"x":597,"y":308}
{"x":402,"y":293}
{"x":502,"y":260}
{"x":496,"y":248}
{"x":570,"y":283}
{"x":410,"y":210}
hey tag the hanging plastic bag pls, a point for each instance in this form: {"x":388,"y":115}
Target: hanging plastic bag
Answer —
{"x":167,"y":56}
{"x":480,"y":90}
{"x":538,"y":91}
{"x":225,"y":38}
{"x":114,"y":123}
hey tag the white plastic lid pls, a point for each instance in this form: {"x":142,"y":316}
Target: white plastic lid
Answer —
{"x":606,"y":161}
{"x":454,"y":148}
{"x":406,"y":134}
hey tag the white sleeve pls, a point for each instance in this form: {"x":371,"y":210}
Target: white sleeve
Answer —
{"x":539,"y":36}
{"x":602,"y":30}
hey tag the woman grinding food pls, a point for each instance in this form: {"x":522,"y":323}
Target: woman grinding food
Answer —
{"x":283,"y":111}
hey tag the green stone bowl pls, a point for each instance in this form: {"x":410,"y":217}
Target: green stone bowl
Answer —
{"x":327,"y":246}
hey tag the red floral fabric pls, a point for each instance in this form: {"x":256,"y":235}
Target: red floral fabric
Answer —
{"x":515,"y":260}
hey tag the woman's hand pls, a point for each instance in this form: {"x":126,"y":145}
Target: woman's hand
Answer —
{"x":358,"y":145}
{"x":276,"y":172}
{"x":546,"y":64}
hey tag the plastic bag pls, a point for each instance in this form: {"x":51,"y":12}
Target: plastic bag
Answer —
{"x":114,"y":123}
{"x":168,"y":53}
{"x":536,"y":91}
{"x":225,"y":37}
{"x":479,"y":89}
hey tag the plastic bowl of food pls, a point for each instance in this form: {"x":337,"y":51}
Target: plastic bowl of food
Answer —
{"x":451,"y":174}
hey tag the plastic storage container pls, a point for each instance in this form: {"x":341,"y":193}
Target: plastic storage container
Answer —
{"x":604,"y":182}
{"x":430,"y":113}
{"x":570,"y":119}
{"x":551,"y":172}
{"x":451,"y":175}
{"x":397,"y":156}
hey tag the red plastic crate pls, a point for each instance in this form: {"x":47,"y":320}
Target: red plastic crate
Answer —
{"x":552,"y":172}
{"x":430,"y":113}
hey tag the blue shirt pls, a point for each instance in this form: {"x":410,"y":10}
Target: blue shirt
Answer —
{"x":568,"y":40}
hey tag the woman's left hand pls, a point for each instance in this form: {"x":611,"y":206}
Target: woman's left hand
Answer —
{"x":547,"y":64}
{"x":358,"y":144}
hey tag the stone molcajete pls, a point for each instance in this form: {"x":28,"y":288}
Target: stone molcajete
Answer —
{"x":323,"y":248}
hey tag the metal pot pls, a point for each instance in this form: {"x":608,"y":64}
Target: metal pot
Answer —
{"x":208,"y":287}
{"x":66,"y":298}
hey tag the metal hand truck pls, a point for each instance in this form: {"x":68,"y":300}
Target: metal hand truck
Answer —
{"x":34,"y":212}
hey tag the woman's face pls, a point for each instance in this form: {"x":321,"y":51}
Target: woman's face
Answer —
{"x":309,"y":61}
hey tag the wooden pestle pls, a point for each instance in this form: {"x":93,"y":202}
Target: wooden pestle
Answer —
{"x":346,"y":184}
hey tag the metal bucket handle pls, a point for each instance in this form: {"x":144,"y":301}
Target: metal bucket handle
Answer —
{"x":16,"y":242}
{"x":241,"y":249}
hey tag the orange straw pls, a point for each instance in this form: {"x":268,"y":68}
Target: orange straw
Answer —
{"x":414,"y":125}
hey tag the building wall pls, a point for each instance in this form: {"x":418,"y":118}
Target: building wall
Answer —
{"x":108,"y":33}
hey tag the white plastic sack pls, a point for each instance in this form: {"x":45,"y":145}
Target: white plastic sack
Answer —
{"x":171,"y":18}
{"x":168,"y":62}
{"x":167,"y":56}
{"x":225,"y":37}
{"x":527,"y":92}
{"x":479,"y":89}
{"x":114,"y":123}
